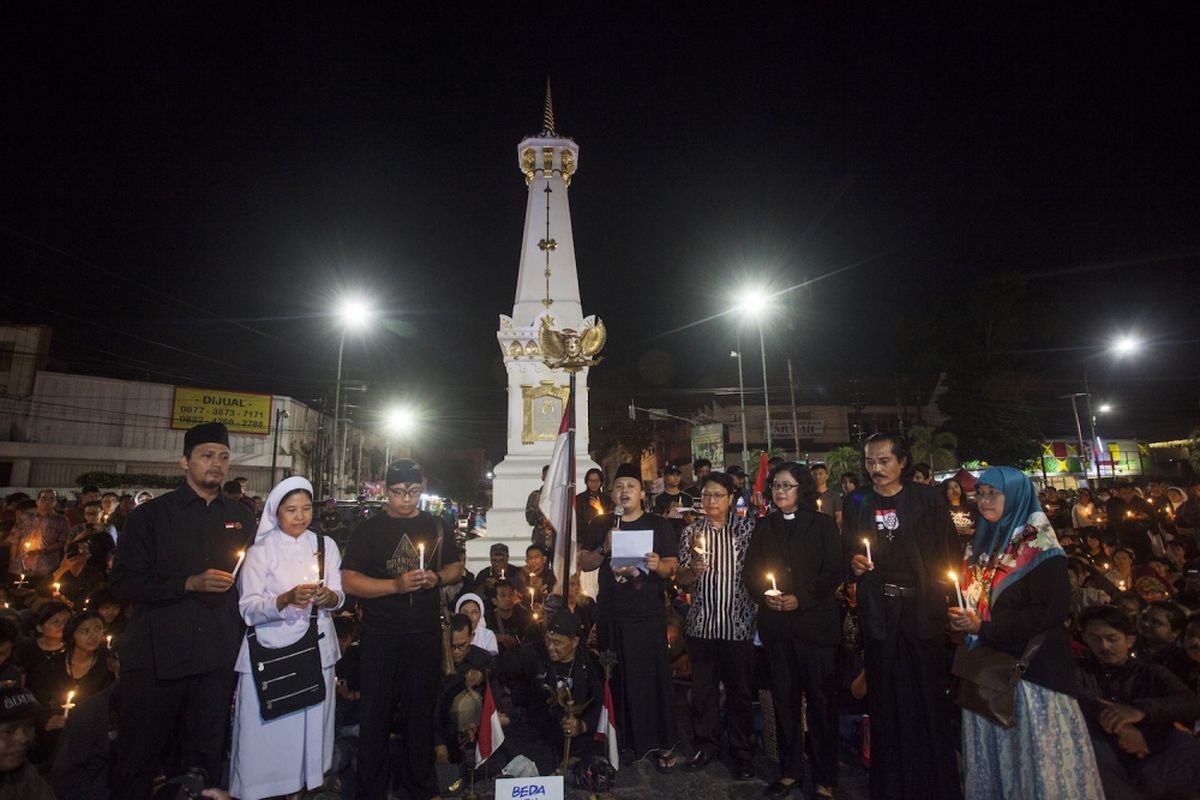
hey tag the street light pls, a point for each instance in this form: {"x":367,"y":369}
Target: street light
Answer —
{"x":757,"y":304}
{"x":1126,"y":344}
{"x":397,"y":421}
{"x":354,"y":313}
{"x":280,"y":414}
{"x":742,"y":397}
{"x":1104,"y":408}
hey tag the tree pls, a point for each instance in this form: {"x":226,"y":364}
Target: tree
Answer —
{"x":934,"y":449}
{"x":843,"y":460}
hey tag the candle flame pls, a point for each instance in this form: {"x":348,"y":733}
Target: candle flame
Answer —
{"x":865,"y":541}
{"x":953,"y":577}
{"x":70,"y":695}
{"x":241,"y":553}
{"x":770,"y":577}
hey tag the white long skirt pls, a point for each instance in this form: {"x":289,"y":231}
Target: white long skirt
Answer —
{"x":283,"y":755}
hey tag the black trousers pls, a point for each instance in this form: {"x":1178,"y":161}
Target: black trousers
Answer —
{"x":912,"y":741}
{"x":798,"y":669}
{"x":400,"y":670}
{"x":717,"y":661}
{"x":191,"y":713}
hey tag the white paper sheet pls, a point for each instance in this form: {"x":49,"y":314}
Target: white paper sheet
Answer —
{"x":630,"y":548}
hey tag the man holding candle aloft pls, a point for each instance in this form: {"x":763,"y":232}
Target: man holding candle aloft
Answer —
{"x":174,"y":562}
{"x":394,"y":563}
{"x":793,"y":568}
{"x":633,"y":619}
{"x":902,"y":610}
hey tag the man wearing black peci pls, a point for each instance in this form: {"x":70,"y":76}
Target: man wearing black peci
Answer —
{"x":394,"y":564}
{"x":174,"y":562}
{"x":902,"y":609}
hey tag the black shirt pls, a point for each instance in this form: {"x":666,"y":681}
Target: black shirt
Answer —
{"x":890,"y":558}
{"x":634,"y":598}
{"x":663,"y":503}
{"x":385,"y":547}
{"x":166,"y":540}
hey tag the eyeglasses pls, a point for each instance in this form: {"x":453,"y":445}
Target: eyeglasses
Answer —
{"x":987,"y":497}
{"x":780,"y":486}
{"x":411,"y":494}
{"x":713,"y":497}
{"x":463,"y":646}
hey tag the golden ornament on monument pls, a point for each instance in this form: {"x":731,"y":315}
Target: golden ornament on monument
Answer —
{"x":569,"y":349}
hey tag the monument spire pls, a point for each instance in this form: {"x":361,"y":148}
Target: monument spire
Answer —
{"x":548,"y":113}
{"x":547,"y":289}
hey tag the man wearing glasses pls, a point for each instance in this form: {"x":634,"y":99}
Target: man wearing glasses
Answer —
{"x":394,"y":564}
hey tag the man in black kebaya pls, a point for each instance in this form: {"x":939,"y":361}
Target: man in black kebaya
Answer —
{"x":902,"y":608}
{"x":174,"y":562}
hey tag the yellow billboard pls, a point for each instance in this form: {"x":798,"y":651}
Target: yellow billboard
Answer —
{"x":241,"y":412}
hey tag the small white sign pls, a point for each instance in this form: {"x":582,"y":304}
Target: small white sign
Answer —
{"x":547,"y":788}
{"x":629,"y":548}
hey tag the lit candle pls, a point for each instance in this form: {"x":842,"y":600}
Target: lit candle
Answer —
{"x":774,"y":586}
{"x":421,"y":554}
{"x":67,"y":706}
{"x":238,"y":565}
{"x":108,"y":641}
{"x":867,"y":544}
{"x":57,"y":586}
{"x":317,"y":579}
{"x":1121,"y":585}
{"x":700,"y":545}
{"x":958,"y":589}
{"x":819,"y":504}
{"x":531,"y":595}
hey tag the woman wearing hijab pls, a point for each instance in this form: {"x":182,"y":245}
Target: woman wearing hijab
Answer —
{"x":471,"y":604}
{"x":279,"y":586}
{"x":1016,"y":588}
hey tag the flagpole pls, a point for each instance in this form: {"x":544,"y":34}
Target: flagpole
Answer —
{"x":565,"y":576}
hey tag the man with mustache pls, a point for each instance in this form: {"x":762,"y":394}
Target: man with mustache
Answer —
{"x":901,"y":608}
{"x":175,"y":562}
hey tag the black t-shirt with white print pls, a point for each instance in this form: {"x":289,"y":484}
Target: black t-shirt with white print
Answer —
{"x":385,"y":547}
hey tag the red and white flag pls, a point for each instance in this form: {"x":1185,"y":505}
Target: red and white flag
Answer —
{"x":557,"y":501}
{"x":606,"y":728}
{"x":491,"y":734}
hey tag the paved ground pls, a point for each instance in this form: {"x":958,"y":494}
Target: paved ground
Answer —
{"x":641,"y":781}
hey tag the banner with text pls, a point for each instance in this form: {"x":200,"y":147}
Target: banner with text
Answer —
{"x":809,"y":428}
{"x":241,"y":413}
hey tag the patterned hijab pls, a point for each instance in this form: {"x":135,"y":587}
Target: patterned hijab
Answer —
{"x":1005,"y":551}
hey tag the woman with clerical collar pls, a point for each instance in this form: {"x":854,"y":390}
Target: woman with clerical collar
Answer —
{"x":793,"y":568}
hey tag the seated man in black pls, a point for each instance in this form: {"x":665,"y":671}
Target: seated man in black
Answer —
{"x":537,"y":574}
{"x":471,"y":665}
{"x":1131,"y":707}
{"x":507,"y":618}
{"x":543,"y":679}
{"x":75,"y":577}
{"x":499,"y":569}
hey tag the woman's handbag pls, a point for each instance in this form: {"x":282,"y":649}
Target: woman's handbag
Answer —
{"x":988,"y":678}
{"x":290,"y":678}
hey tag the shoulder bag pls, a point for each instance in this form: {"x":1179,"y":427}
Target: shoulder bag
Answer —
{"x":988,"y":678}
{"x":290,"y":678}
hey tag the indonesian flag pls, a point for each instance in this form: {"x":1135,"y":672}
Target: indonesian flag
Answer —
{"x":491,"y":734}
{"x":556,"y":500}
{"x":606,"y":728}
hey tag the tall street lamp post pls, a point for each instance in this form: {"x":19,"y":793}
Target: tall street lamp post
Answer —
{"x":280,"y":414}
{"x":756,"y":304}
{"x":353,"y":314}
{"x":742,"y":398}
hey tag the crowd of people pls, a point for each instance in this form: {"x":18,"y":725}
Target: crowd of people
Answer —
{"x":204,"y":639}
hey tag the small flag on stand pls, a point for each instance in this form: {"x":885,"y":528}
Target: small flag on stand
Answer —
{"x":606,"y":728}
{"x":491,"y":734}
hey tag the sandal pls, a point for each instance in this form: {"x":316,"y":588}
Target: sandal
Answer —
{"x":665,"y":762}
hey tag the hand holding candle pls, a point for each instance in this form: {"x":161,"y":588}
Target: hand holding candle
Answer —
{"x":867,"y":544}
{"x":958,"y":589}
{"x":241,"y":554}
{"x":774,"y":590}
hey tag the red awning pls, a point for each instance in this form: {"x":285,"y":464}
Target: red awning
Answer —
{"x":965,"y":480}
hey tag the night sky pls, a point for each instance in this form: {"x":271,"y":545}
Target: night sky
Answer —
{"x":187,"y":192}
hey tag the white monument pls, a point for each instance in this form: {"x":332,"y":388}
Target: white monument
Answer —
{"x":547,"y":286}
